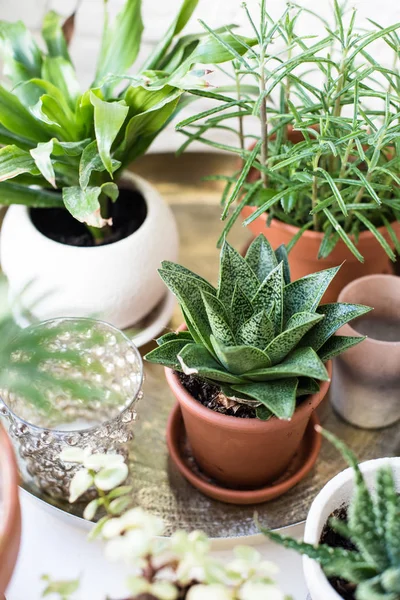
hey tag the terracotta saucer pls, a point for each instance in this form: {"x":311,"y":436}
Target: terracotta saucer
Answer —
{"x":181,"y":455}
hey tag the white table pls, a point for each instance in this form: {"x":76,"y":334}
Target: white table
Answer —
{"x":55,"y":546}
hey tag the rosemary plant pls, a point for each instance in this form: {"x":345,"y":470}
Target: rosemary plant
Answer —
{"x":341,"y":177}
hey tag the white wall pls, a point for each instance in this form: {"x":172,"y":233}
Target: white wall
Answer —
{"x":158,"y":13}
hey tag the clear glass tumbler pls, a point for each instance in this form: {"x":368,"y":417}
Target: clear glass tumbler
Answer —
{"x":85,"y":381}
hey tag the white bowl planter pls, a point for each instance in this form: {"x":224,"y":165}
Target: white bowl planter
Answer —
{"x":118,"y":282}
{"x":336,"y":493}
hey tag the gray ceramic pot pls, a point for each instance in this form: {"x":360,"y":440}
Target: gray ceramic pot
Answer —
{"x":365,"y":388}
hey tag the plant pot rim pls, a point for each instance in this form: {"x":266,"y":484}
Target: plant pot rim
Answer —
{"x":142,"y":185}
{"x":312,"y":570}
{"x":347,"y":329}
{"x":236,"y":423}
{"x":175,"y":431}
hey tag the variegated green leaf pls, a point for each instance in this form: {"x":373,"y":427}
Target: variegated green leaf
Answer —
{"x":91,"y":161}
{"x":270,"y":295}
{"x":167,"y":354}
{"x":218,"y":319}
{"x":196,"y":360}
{"x":261,"y":257}
{"x":171,"y":266}
{"x":307,"y":386}
{"x":188,"y":290}
{"x":84,"y":205}
{"x":175,"y":336}
{"x":282,"y":256}
{"x":14,"y":162}
{"x":42,"y":157}
{"x":392,"y":521}
{"x":296,"y":328}
{"x":258,"y":331}
{"x":239,"y":359}
{"x":336,"y":345}
{"x":234,"y":269}
{"x":241,"y":308}
{"x":278,"y":396}
{"x":302,"y":362}
{"x":336,"y":315}
{"x":305,"y":294}
{"x":108,"y":120}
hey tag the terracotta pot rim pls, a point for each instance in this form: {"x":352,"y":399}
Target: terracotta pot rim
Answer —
{"x":237,"y":496}
{"x":10,"y":498}
{"x":235,"y":423}
{"x":347,"y":329}
{"x":292,"y":229}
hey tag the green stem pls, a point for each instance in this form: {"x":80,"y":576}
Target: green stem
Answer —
{"x":263,"y":120}
{"x":240,"y":118}
{"x":314,"y":197}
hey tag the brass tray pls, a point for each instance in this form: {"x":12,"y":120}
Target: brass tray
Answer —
{"x":158,"y":487}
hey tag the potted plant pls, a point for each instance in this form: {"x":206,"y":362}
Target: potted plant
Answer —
{"x":351,"y":541}
{"x":92,"y":233}
{"x":254,"y":362}
{"x":322,"y":171}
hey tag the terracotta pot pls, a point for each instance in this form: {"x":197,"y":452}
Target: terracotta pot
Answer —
{"x":242,"y":453}
{"x":366,"y":382}
{"x":303,"y":258}
{"x":10,"y":513}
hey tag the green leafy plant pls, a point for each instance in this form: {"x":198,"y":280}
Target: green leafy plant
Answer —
{"x":341,"y":178}
{"x":180,"y":567}
{"x":372,"y":526}
{"x":56,"y":136}
{"x":261,"y":338}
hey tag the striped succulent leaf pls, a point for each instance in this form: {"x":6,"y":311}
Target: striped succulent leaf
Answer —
{"x":373,"y":527}
{"x":257,"y":332}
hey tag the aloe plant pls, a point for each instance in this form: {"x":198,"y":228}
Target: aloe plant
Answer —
{"x":373,"y":527}
{"x":262,"y":338}
{"x":58,"y":137}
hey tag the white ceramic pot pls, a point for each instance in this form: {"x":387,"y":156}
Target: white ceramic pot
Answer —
{"x":117,"y":282}
{"x":336,"y":493}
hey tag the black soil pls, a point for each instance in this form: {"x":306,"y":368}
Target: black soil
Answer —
{"x":128,"y":214}
{"x":206,"y":394}
{"x":331,"y":538}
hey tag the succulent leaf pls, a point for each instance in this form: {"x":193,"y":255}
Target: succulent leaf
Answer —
{"x":195,"y":359}
{"x":233,"y":268}
{"x":263,"y":413}
{"x":261,"y":257}
{"x":337,"y":345}
{"x":307,"y":386}
{"x":171,"y":266}
{"x":305,"y":294}
{"x":174,"y":336}
{"x":241,"y":308}
{"x":218,"y":319}
{"x":336,"y":315}
{"x":302,"y":362}
{"x":372,"y":590}
{"x":237,"y":359}
{"x":258,"y":331}
{"x":278,"y":396}
{"x":282,"y":256}
{"x":167,"y":354}
{"x":270,"y":295}
{"x":296,"y":328}
{"x":392,"y":523}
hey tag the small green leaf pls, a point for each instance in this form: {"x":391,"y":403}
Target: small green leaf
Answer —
{"x":196,"y":360}
{"x":239,"y":359}
{"x":282,"y":256}
{"x":278,"y":396}
{"x":241,"y":308}
{"x":297,"y":326}
{"x":337,"y":345}
{"x":261,"y":257}
{"x":235,"y":269}
{"x":270,"y":296}
{"x":108,"y":120}
{"x":257,"y":331}
{"x":14,"y":161}
{"x":302,"y":362}
{"x":218,"y":319}
{"x":84,"y":205}
{"x":305,"y":294}
{"x":173,"y":336}
{"x":42,"y":157}
{"x":167,"y":354}
{"x":307,"y":386}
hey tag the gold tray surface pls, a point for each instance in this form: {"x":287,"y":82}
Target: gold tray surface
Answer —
{"x":157,"y":485}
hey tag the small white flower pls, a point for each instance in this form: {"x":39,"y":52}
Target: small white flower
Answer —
{"x":75,"y":455}
{"x":210,"y":592}
{"x":110,"y":478}
{"x":103,"y":461}
{"x":80,"y":483}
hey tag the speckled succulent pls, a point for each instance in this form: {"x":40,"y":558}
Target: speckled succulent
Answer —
{"x":373,"y":527}
{"x":261,"y":338}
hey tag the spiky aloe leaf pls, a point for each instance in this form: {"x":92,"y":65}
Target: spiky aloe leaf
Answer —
{"x":175,"y":336}
{"x":296,"y":328}
{"x":307,"y":386}
{"x":241,"y":308}
{"x":261,"y":257}
{"x":278,"y":396}
{"x":337,"y":345}
{"x":258,"y":331}
{"x":233,"y":269}
{"x":282,"y":256}
{"x":196,"y":360}
{"x":302,"y":362}
{"x":336,"y":315}
{"x":237,"y":359}
{"x":188,"y":291}
{"x":218,"y":319}
{"x":361,"y":513}
{"x":167,"y":354}
{"x":305,"y":294}
{"x":270,"y":295}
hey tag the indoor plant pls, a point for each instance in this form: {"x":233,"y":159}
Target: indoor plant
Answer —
{"x":322,"y":173}
{"x":56,"y":136}
{"x":360,"y":553}
{"x":255,"y":347}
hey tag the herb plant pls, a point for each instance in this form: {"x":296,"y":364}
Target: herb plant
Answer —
{"x":373,"y":528}
{"x":56,"y":136}
{"x":261,"y":338}
{"x":341,"y":178}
